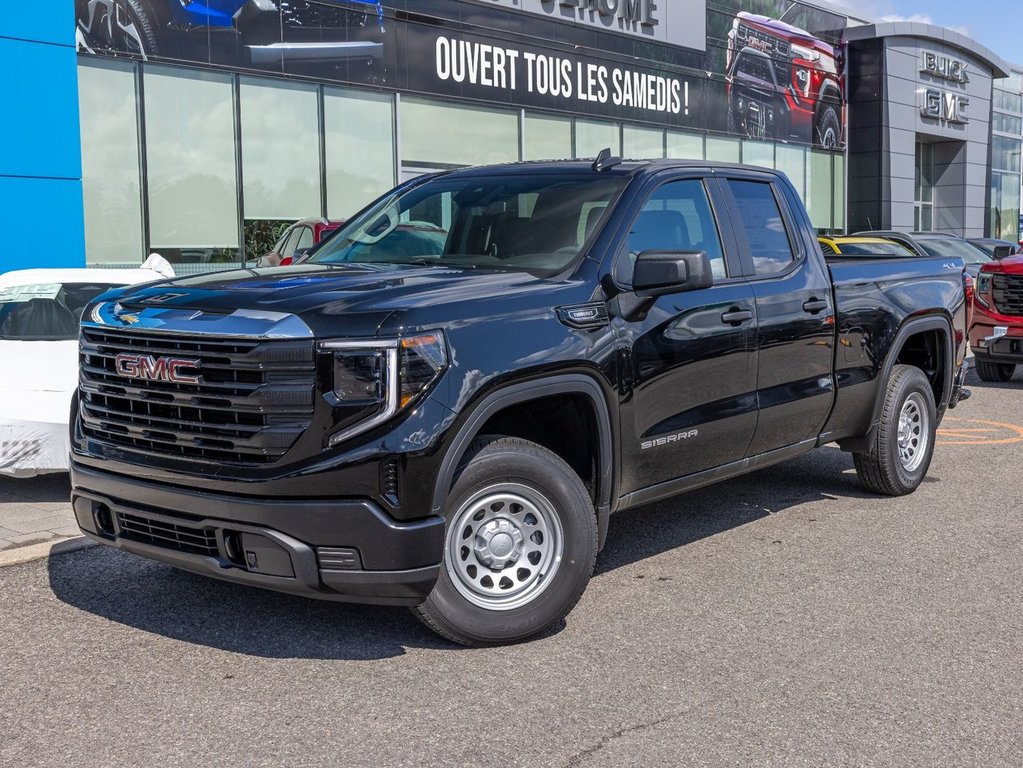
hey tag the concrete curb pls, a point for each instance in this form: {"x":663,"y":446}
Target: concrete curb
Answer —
{"x":44,"y":549}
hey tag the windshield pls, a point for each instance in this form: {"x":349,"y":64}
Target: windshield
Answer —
{"x":45,"y":311}
{"x":873,"y":249}
{"x":536,"y":224}
{"x":952,"y":247}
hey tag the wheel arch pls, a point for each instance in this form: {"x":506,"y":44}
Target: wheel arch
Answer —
{"x":919,"y":330}
{"x":517,"y":394}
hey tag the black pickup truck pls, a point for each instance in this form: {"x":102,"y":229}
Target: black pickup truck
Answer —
{"x":448,"y":424}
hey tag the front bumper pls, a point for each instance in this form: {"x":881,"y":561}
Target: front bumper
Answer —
{"x":997,"y":343}
{"x":345,"y":550}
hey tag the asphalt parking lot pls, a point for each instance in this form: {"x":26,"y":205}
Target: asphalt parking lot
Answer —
{"x":785,"y":618}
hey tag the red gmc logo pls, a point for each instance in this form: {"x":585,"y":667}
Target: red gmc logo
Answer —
{"x":151,"y":368}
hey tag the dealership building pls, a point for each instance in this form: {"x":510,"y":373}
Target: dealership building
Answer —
{"x":188,"y":127}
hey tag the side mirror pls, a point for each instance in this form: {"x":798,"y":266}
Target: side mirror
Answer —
{"x":660,"y":272}
{"x":1002,"y":252}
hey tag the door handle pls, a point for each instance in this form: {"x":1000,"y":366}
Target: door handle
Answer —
{"x":735,"y":316}
{"x":813,"y":306}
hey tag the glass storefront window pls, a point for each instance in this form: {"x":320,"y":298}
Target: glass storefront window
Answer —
{"x":359,"y":147}
{"x":1008,"y":102}
{"x":280,"y":149}
{"x":685,"y":146}
{"x":1007,"y":123}
{"x":723,"y":150}
{"x":110,"y":164}
{"x":791,"y":160}
{"x":435,"y":134}
{"x":591,"y":136}
{"x":819,"y":190}
{"x":1005,"y":206}
{"x":192,"y":175}
{"x":1005,"y":154}
{"x":838,"y":200}
{"x":641,"y":143}
{"x":758,"y":153}
{"x":547,"y":138}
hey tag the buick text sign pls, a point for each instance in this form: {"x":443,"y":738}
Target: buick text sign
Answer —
{"x":674,"y":22}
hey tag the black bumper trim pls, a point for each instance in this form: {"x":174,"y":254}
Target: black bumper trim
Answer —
{"x":99,"y":497}
{"x":384,"y":544}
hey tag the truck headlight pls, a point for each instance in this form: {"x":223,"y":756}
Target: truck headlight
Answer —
{"x":374,"y":379}
{"x":803,"y":52}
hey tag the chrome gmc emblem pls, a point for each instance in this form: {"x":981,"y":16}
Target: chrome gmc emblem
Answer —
{"x":151,"y":368}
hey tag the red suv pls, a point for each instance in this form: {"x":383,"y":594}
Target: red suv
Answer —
{"x":996,"y":331}
{"x":783,"y":83}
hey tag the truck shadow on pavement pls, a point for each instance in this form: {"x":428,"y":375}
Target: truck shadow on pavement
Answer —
{"x":162,"y":600}
{"x":53,"y":488}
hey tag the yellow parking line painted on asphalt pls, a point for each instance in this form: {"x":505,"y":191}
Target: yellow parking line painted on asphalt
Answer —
{"x":1005,"y":434}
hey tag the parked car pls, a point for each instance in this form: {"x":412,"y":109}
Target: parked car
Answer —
{"x":996,"y":332}
{"x":782,"y":82}
{"x":451,"y":431}
{"x":996,"y":249}
{"x":296,"y":240}
{"x":40,"y":311}
{"x":848,"y":245}
{"x":268,"y":33}
{"x":937,"y":245}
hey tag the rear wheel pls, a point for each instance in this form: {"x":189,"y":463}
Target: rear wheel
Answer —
{"x":520,"y":545}
{"x":989,"y":371}
{"x":901,"y":450}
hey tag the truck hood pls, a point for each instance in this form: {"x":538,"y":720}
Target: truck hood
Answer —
{"x":787,"y":31}
{"x":1012,"y":265}
{"x":366,"y":295}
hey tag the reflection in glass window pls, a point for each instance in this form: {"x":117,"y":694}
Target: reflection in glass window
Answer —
{"x":547,"y":138}
{"x":642,"y":143}
{"x":110,"y":163}
{"x":678,"y":217}
{"x":437,"y":134}
{"x":280,"y":149}
{"x":359,"y":145}
{"x":764,"y":227}
{"x":722,"y":150}
{"x":591,"y":136}
{"x":190,"y":154}
{"x":685,"y":146}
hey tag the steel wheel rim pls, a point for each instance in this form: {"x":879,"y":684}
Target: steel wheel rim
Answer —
{"x":504,"y":546}
{"x":914,"y":432}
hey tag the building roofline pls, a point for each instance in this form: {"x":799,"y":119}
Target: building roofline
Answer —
{"x":999,"y":67}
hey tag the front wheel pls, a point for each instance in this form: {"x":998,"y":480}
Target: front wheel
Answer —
{"x":827,"y":128}
{"x":989,"y":371}
{"x":520,"y":545}
{"x":901,"y":450}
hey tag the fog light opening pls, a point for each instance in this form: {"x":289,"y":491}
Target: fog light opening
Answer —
{"x":104,"y":519}
{"x":233,"y":547}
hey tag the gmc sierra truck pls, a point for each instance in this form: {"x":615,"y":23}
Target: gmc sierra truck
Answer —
{"x":451,"y":431}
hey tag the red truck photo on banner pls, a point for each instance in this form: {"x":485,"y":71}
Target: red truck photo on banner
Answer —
{"x":784,"y":72}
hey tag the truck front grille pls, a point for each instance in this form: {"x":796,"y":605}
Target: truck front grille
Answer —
{"x":1007,"y":291}
{"x":252,"y":399}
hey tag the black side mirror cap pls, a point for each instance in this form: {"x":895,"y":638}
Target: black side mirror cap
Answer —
{"x":1002,"y":252}
{"x":659,"y":272}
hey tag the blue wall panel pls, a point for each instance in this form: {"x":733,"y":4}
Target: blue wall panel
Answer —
{"x":47,"y":21}
{"x":42,"y":223}
{"x":40,"y":162}
{"x":39,"y":91}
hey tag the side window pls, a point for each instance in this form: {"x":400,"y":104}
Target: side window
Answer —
{"x":678,"y":217}
{"x":764,"y":226}
{"x":292,"y":244}
{"x":305,"y":239}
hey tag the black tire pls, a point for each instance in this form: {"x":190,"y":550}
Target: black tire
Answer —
{"x":542,"y":590}
{"x":121,"y":26}
{"x":989,"y":371}
{"x":827,"y":130}
{"x":884,"y":468}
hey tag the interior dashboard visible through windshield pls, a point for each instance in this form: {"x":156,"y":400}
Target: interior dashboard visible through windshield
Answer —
{"x":538,"y":223}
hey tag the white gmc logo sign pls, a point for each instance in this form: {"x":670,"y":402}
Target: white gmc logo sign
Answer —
{"x":149,"y":368}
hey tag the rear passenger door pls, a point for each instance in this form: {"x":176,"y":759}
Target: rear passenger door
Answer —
{"x":689,"y":380}
{"x":795,"y":313}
